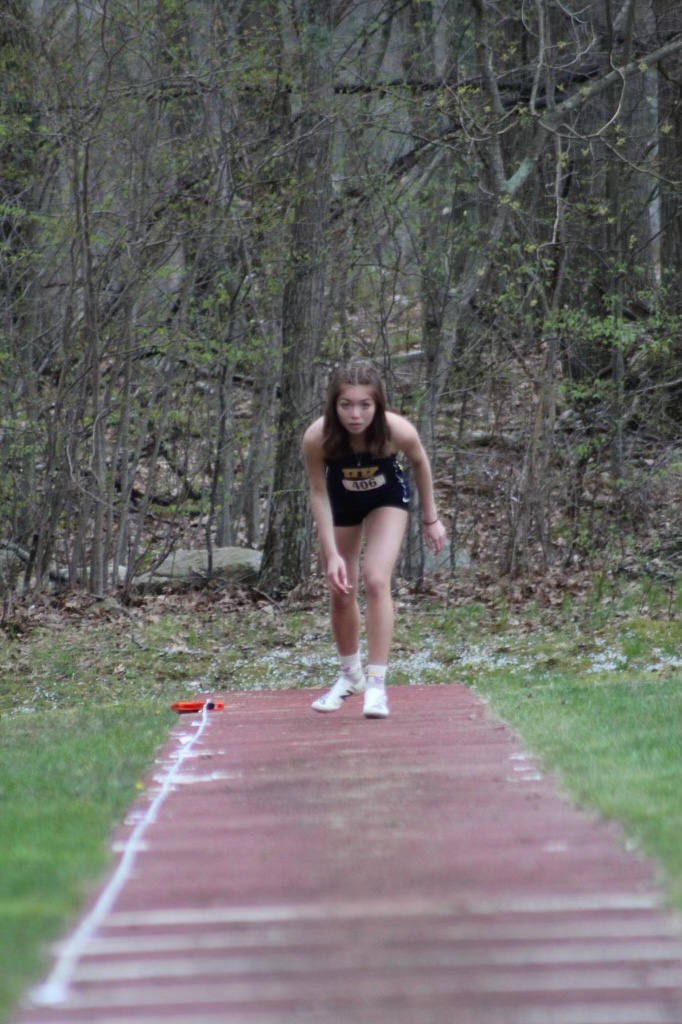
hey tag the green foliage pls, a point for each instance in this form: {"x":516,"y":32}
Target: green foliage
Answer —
{"x":609,"y":330}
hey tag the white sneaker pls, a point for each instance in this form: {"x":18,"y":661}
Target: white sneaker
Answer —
{"x":376,"y":705}
{"x":340,"y":691}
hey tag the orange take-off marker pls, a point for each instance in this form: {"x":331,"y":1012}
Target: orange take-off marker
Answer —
{"x":184,"y":707}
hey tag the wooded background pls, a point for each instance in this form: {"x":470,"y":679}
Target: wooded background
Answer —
{"x":204,"y":204}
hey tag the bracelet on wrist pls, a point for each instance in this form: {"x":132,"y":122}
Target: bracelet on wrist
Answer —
{"x":431,"y":523}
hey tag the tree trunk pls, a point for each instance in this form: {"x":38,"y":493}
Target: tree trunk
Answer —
{"x":287,"y":549}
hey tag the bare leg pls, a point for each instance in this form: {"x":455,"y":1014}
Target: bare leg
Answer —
{"x":345,"y":623}
{"x":344,"y":608}
{"x":384,"y":532}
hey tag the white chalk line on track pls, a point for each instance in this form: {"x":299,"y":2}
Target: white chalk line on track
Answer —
{"x":56,"y":988}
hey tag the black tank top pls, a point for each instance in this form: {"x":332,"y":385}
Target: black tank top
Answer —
{"x":362,"y":480}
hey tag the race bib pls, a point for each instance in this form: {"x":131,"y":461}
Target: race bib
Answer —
{"x":363,"y":478}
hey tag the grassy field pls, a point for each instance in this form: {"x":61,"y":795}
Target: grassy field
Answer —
{"x":593,"y":689}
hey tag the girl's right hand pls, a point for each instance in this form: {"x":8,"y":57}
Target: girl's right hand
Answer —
{"x":337,"y":576}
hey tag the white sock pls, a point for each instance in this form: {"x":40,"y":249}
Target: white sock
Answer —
{"x":376,"y":676}
{"x":351,"y":665}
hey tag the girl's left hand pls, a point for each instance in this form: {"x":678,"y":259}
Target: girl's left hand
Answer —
{"x":435,"y":536}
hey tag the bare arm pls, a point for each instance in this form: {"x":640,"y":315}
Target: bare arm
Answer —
{"x":407,"y":440}
{"x":335,"y":567}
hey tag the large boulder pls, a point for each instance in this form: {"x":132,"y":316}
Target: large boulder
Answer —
{"x":189,"y":568}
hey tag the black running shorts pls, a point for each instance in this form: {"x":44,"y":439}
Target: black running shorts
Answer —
{"x":359,"y":483}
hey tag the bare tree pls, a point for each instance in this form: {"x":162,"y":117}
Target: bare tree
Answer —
{"x":286,"y":554}
{"x":206,"y":204}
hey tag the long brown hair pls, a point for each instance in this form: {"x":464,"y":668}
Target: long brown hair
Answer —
{"x":335,"y":439}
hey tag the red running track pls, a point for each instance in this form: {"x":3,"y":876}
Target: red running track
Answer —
{"x":289,"y":867}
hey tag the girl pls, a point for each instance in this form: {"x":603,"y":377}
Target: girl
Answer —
{"x":358,"y":491}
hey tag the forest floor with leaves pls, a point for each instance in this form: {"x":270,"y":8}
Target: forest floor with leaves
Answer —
{"x":224,"y":637}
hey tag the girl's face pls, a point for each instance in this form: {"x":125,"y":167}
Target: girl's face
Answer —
{"x":355,"y":407}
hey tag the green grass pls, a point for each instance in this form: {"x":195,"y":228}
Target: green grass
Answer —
{"x":65,"y":776}
{"x":602,"y":708}
{"x":617,"y":746}
{"x":593,"y":687}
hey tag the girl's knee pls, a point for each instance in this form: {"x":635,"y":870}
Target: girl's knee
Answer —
{"x":376,"y":584}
